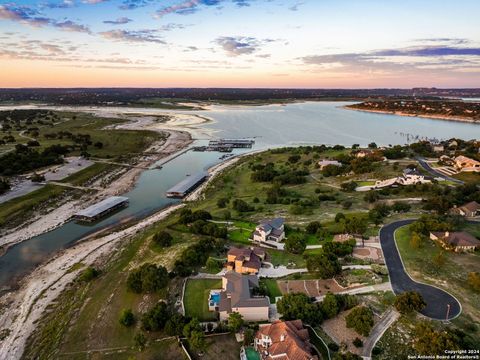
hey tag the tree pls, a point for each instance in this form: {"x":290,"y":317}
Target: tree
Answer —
{"x":357,"y":342}
{"x":37,"y":178}
{"x":127,"y":318}
{"x":156,"y":318}
{"x":339,"y":217}
{"x":4,"y":186}
{"x":299,"y":306}
{"x":325,"y":264}
{"x":361,"y":320}
{"x":193,"y":325}
{"x":163,"y":238}
{"x":147,"y":278}
{"x":415,"y":241}
{"x":295,"y":244}
{"x":371,"y":197}
{"x":174,"y":325}
{"x":223,"y":202}
{"x":313,"y":227}
{"x":140,"y":341}
{"x":241,"y":206}
{"x":248,"y":337}
{"x":197,"y":340}
{"x":409,"y":301}
{"x":356,"y":225}
{"x":474,"y":280}
{"x":88,"y":274}
{"x":429,"y":341}
{"x":346,"y":356}
{"x":235,"y":321}
{"x":348,"y":186}
{"x":329,"y":306}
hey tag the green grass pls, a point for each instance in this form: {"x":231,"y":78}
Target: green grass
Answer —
{"x":195,"y":298}
{"x":319,"y":344}
{"x":82,"y":176}
{"x":272,"y":288}
{"x":468,"y":177}
{"x":452,"y":276}
{"x":240,"y":236}
{"x":19,"y":208}
{"x":278,"y":257}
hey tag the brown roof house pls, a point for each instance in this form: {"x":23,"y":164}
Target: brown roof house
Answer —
{"x":236,"y":296}
{"x":245,"y":260}
{"x":470,"y":209}
{"x":284,"y":340}
{"x":463,"y":163}
{"x":270,"y":230}
{"x":456,"y":241}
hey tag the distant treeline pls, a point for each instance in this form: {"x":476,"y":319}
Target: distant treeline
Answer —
{"x":126,"y":96}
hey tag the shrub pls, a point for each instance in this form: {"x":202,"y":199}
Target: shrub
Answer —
{"x":156,"y":318}
{"x":357,"y":342}
{"x":147,"y":278}
{"x":163,"y":238}
{"x":409,"y":301}
{"x":361,"y":320}
{"x":127,"y":318}
{"x":88,"y":274}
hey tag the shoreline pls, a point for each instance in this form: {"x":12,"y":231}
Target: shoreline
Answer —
{"x":423,"y":116}
{"x":26,"y":305}
{"x":177,"y":141}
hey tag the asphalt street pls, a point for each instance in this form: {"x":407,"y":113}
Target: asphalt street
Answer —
{"x":440,"y":304}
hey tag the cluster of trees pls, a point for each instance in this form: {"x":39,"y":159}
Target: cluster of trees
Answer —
{"x":147,"y":278}
{"x":268,"y":173}
{"x":25,"y":159}
{"x":163,"y":239}
{"x":203,"y":227}
{"x":381,"y":211}
{"x":443,"y":198}
{"x":196,"y":255}
{"x":187,"y":216}
{"x":299,"y":306}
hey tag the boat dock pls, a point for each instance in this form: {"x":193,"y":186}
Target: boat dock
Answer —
{"x":102,"y":208}
{"x":226,"y":145}
{"x":187,"y":185}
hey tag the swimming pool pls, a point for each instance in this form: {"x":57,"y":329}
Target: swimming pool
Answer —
{"x":215,"y":298}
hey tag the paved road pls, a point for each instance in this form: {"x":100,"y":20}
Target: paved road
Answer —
{"x":437,"y":300}
{"x":378,"y":330}
{"x":436,"y":173}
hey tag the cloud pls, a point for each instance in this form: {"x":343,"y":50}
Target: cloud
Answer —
{"x":295,"y":6}
{"x":239,"y":45}
{"x":133,"y":36}
{"x":23,"y":14}
{"x":94,"y":1}
{"x":118,"y":21}
{"x":172,"y":26}
{"x":72,"y":26}
{"x":65,"y":4}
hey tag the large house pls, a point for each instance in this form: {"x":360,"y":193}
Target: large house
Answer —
{"x":236,"y":296}
{"x":270,"y":230}
{"x":325,"y":163}
{"x":463,"y":163}
{"x":456,"y":241}
{"x":284,"y":340}
{"x":245,"y":260}
{"x":470,"y":209}
{"x":409,"y":177}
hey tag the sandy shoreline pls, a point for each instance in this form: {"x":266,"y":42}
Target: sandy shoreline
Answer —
{"x":26,"y":305}
{"x":400,"y":113}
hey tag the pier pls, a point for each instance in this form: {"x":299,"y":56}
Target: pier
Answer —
{"x":187,"y":185}
{"x":102,"y":208}
{"x":226,"y":145}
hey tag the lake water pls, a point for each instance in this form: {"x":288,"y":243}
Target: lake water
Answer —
{"x":274,"y":125}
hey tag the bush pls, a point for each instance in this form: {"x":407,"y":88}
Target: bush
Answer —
{"x":361,"y":320}
{"x":295,"y":244}
{"x":156,"y":318}
{"x":313,"y":227}
{"x":474,"y":280}
{"x":409,"y":301}
{"x":147,"y":278}
{"x":357,"y":342}
{"x":88,"y":274}
{"x":140,"y":341}
{"x":348,"y":186}
{"x":325,"y":264}
{"x":299,"y":306}
{"x":163,"y":238}
{"x":241,"y":206}
{"x":127,"y":318}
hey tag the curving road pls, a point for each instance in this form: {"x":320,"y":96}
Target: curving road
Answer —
{"x":436,"y":173}
{"x":438,"y":301}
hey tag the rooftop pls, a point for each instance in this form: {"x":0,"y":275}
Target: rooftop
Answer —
{"x":186,"y":184}
{"x":102,"y":206}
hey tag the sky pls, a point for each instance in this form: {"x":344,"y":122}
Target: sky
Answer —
{"x":240,"y":43}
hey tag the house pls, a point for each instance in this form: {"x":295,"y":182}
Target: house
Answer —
{"x":470,"y":209}
{"x":364,"y":153}
{"x":324,"y":163}
{"x":236,"y":296}
{"x":466,"y":164}
{"x":284,"y":340}
{"x":270,"y":230}
{"x":456,"y":241}
{"x":409,"y":177}
{"x":438,"y":148}
{"x":245,"y":260}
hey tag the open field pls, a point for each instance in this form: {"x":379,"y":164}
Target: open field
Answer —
{"x":220,"y":347}
{"x":196,"y":298}
{"x":452,"y":276}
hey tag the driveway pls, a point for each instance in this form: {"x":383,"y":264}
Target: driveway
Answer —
{"x":436,"y":173}
{"x":438,"y":301}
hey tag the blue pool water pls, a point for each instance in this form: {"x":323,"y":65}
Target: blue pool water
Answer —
{"x":215,"y":298}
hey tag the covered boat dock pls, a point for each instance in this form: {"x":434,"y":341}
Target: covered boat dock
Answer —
{"x":102,"y":208}
{"x":187,"y":185}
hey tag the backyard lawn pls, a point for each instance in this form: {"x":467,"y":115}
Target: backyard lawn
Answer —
{"x":272,"y":288}
{"x":195,"y":298}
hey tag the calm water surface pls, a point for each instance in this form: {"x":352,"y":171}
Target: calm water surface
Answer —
{"x":275,"y":125}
